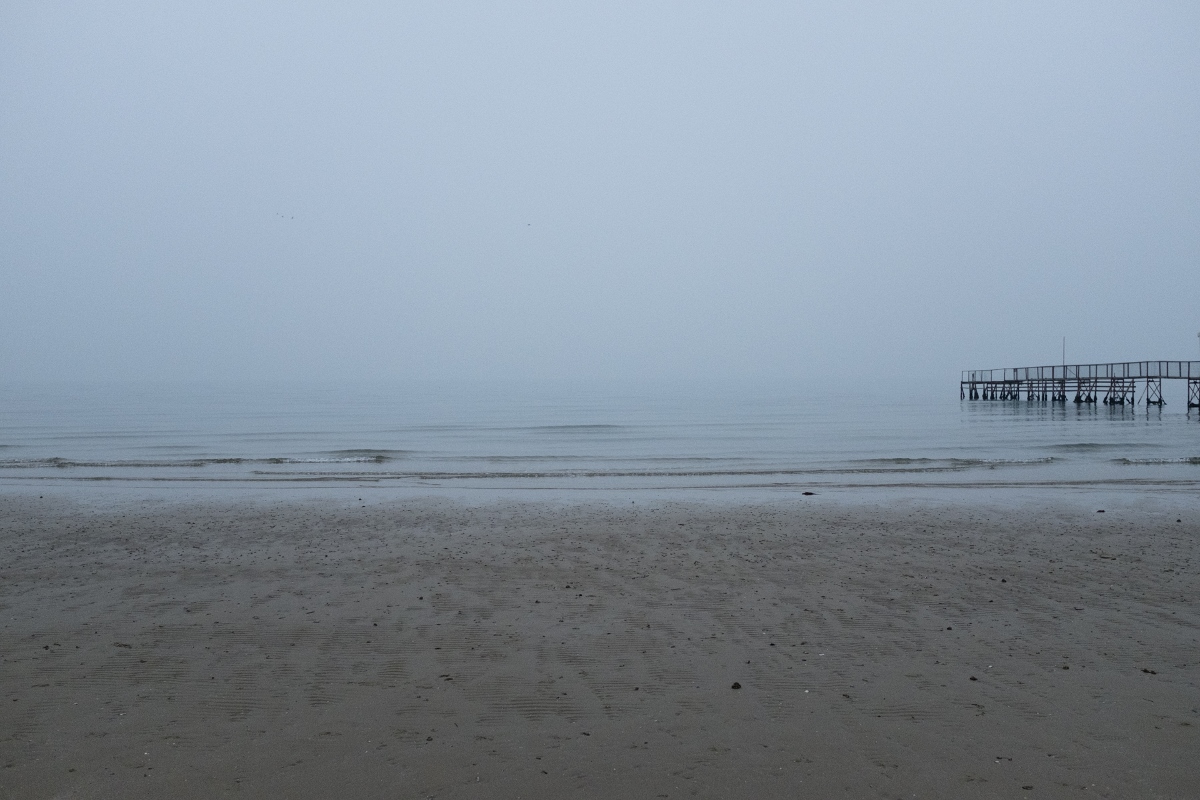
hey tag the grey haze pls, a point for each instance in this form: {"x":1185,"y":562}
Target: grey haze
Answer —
{"x":611,"y":191}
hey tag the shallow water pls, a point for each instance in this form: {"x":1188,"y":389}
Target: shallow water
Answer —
{"x":514,"y":437}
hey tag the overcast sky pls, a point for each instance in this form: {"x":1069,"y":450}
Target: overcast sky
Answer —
{"x":733,"y":191}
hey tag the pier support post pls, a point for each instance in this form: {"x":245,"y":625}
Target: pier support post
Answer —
{"x":1154,"y":392}
{"x":1120,"y":392}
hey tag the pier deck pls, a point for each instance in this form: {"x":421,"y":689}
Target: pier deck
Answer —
{"x":1115,"y":383}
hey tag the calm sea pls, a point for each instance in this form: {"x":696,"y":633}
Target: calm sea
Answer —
{"x":506,"y":437}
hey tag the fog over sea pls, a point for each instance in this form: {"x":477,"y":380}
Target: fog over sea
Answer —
{"x":513,"y":438}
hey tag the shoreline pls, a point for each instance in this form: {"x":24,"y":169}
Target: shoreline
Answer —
{"x":269,"y":643}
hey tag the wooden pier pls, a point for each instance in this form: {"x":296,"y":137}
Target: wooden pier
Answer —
{"x":1113,"y":384}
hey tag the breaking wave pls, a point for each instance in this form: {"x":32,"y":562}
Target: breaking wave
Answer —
{"x":177,"y":463}
{"x":1095,"y":447}
{"x":957,"y":463}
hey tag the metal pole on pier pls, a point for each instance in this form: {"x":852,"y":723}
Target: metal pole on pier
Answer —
{"x":1062,"y":392}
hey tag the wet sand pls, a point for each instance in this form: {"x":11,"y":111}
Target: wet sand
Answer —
{"x":896,"y":647}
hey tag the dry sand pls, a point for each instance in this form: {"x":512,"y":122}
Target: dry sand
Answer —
{"x":264,"y":647}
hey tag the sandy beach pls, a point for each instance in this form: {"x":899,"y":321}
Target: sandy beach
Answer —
{"x":896,"y":647}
